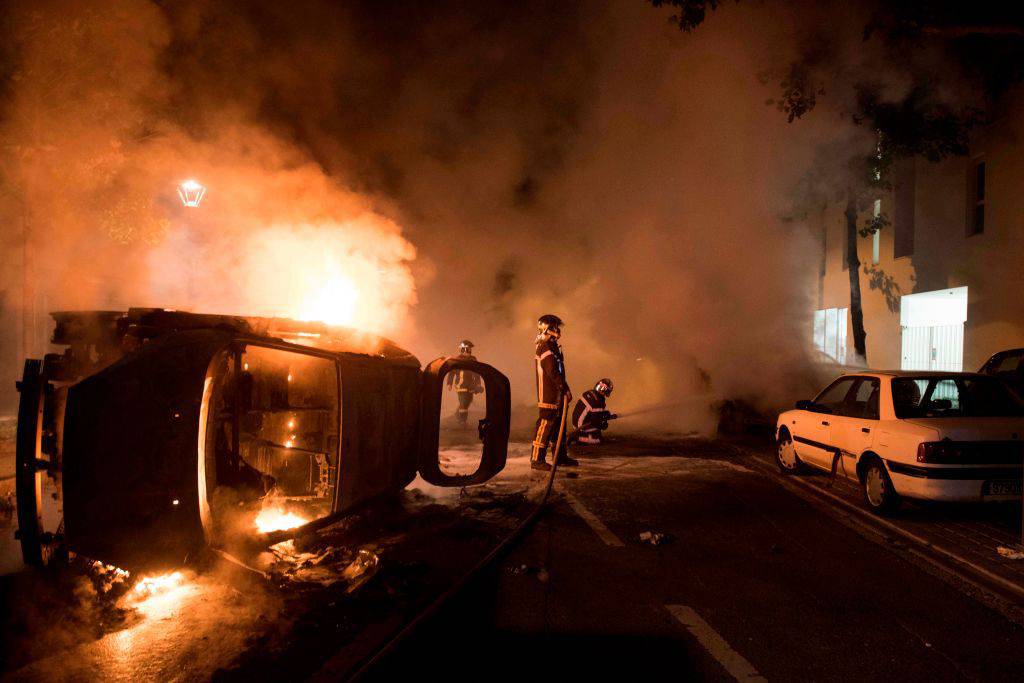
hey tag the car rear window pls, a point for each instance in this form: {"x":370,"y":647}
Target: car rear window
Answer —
{"x":953,"y":397}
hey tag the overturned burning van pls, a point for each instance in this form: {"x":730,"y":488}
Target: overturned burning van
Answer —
{"x":160,"y":433}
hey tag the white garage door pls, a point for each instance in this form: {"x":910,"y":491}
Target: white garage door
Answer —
{"x":932,"y":325}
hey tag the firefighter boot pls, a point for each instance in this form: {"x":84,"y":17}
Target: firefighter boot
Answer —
{"x":538,"y":458}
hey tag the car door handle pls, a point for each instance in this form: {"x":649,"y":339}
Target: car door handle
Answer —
{"x":866,"y":430}
{"x":824,"y":423}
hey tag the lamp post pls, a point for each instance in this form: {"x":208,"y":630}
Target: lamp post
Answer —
{"x":191,"y":194}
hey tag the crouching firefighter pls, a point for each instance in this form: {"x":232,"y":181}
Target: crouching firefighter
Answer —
{"x":465,"y":382}
{"x":590,"y":416}
{"x":552,"y":390}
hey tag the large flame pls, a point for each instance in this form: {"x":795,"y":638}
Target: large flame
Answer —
{"x":351,"y":274}
{"x":334,"y":303}
{"x":276,"y":519}
{"x":152,"y":585}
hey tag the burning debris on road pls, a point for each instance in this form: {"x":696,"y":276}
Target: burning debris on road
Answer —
{"x":254,"y":612}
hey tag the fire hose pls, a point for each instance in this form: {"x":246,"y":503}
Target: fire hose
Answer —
{"x":499,"y":550}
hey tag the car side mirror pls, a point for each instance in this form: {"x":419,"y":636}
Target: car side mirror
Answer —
{"x":812,"y":407}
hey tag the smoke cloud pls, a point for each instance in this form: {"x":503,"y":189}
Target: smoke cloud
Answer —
{"x":431,"y":171}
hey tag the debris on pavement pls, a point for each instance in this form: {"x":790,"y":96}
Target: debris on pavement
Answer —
{"x":1010,"y":553}
{"x":105,"y":577}
{"x":360,"y":569}
{"x":541,"y":572}
{"x":654,"y":537}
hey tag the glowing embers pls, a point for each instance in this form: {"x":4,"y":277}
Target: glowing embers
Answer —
{"x":277,"y":519}
{"x":290,"y":441}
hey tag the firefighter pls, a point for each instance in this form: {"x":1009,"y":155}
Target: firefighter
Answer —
{"x":466,"y":383}
{"x":552,"y":389}
{"x":590,"y":416}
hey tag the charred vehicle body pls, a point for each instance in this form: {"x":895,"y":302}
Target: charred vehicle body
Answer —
{"x":160,"y":433}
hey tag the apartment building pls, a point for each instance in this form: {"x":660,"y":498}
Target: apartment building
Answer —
{"x":941,"y":285}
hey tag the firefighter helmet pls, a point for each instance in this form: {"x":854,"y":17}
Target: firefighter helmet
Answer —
{"x":465,"y":347}
{"x":550,"y":325}
{"x":604,"y":387}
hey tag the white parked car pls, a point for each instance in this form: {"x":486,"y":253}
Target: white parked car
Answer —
{"x":944,"y":436}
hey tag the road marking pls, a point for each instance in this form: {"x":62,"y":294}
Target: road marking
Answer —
{"x":603,"y":532}
{"x":732,"y":661}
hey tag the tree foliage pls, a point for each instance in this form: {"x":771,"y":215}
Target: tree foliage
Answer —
{"x":690,"y":13}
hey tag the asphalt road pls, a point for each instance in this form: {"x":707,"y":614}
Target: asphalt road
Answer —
{"x":754,"y":581}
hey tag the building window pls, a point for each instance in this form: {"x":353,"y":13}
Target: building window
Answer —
{"x":876,"y":236}
{"x":830,"y":333}
{"x":976,"y":206}
{"x":903,"y":196}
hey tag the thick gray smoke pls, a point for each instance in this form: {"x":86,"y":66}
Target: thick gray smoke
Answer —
{"x":465,"y":166}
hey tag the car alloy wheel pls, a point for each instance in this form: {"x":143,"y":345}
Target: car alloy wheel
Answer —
{"x":786,"y":457}
{"x":878,"y":491}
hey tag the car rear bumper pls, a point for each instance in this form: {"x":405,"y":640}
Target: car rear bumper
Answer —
{"x":951,"y":484}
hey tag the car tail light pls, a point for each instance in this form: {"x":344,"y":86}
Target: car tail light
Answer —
{"x":941,"y":453}
{"x":970,"y":452}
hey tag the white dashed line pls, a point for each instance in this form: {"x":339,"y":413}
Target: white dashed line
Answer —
{"x":731,"y":661}
{"x":603,"y":532}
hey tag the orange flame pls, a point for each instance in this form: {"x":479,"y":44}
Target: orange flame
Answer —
{"x":152,"y":585}
{"x":272,"y":519}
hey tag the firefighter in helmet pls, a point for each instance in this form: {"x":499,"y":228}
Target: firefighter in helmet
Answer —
{"x":590,"y":416}
{"x":552,"y":390}
{"x":466,"y":383}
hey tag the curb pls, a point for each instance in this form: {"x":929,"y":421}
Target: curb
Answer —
{"x":945,"y":560}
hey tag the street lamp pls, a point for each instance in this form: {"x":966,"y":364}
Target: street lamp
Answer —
{"x":191,"y":193}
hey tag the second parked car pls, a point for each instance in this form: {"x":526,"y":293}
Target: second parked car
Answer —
{"x":1008,"y":366}
{"x":918,"y":435}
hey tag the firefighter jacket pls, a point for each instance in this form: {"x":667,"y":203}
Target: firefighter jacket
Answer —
{"x":590,"y":410}
{"x":551,"y":384}
{"x":465,"y":381}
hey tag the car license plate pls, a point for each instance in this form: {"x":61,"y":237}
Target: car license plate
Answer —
{"x":1009,"y":487}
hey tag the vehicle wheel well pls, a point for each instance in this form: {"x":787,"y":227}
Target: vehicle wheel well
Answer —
{"x":783,"y":434}
{"x":864,"y":461}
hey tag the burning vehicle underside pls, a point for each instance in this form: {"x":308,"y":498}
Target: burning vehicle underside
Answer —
{"x":161,"y":433}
